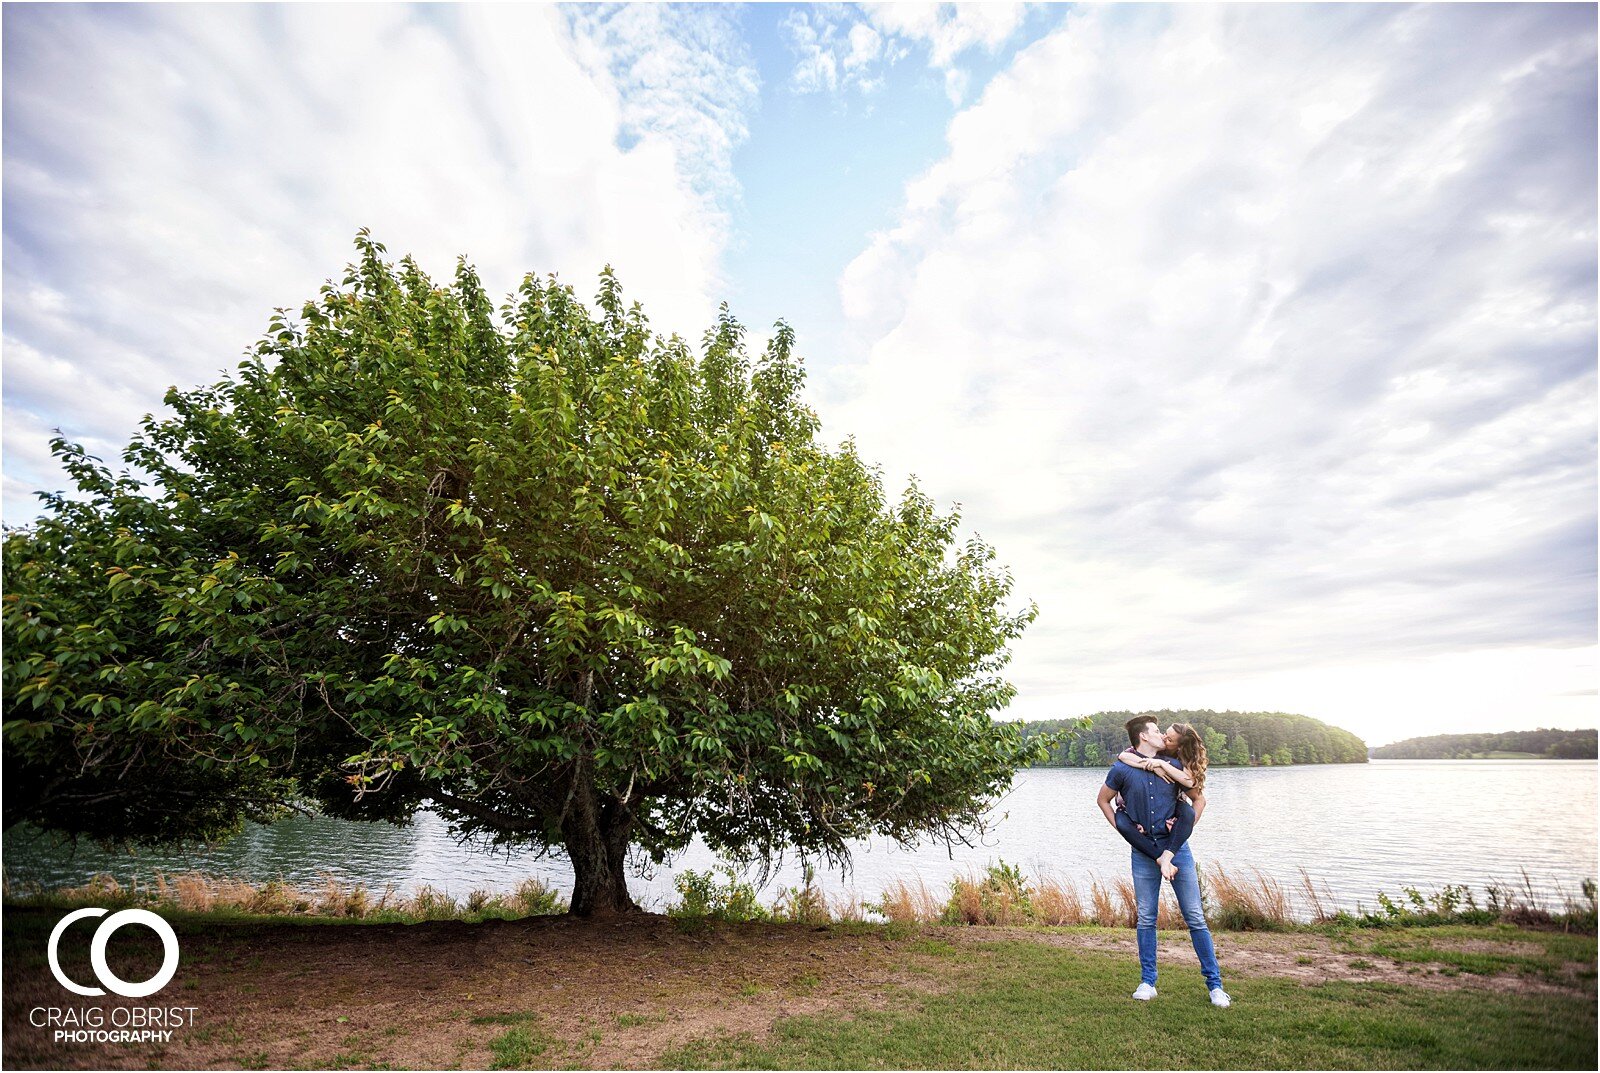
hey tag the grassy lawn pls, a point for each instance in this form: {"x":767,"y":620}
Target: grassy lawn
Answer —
{"x":1482,"y":951}
{"x":650,"y":992}
{"x":1021,"y":1004}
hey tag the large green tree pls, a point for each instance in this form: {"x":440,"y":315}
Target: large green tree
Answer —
{"x":565,"y":582}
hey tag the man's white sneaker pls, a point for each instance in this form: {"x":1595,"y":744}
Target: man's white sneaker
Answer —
{"x":1145,"y":993}
{"x":1219,"y":997}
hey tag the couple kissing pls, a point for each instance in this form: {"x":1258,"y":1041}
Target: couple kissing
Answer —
{"x":1144,"y":800}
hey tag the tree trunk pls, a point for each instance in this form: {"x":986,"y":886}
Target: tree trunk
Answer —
{"x":596,"y":833}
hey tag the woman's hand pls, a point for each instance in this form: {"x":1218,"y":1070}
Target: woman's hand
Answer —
{"x":1164,"y":769}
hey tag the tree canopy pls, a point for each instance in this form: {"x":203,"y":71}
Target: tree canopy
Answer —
{"x":566,"y":582}
{"x":1233,"y":739}
{"x":1543,"y":743}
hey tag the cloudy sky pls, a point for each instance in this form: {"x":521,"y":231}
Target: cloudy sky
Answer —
{"x":1259,"y":340}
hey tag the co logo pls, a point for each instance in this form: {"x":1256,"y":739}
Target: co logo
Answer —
{"x":97,"y":952}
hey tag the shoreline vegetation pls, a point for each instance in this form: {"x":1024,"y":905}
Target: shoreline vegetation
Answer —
{"x":1545,"y":743}
{"x":1002,"y":895}
{"x":1232,"y":739}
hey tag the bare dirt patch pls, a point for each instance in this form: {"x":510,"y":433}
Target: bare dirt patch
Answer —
{"x":602,"y":994}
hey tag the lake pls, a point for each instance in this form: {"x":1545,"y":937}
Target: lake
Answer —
{"x":1357,"y":828}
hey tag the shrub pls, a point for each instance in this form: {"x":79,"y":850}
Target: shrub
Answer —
{"x":276,"y":898}
{"x":805,"y":904}
{"x":1001,"y":896}
{"x":702,"y":897}
{"x":429,"y":903}
{"x":534,"y":898}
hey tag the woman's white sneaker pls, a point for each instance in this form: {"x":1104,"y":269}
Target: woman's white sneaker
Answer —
{"x":1146,"y":992}
{"x":1219,"y":997}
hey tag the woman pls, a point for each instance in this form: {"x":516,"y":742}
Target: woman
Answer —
{"x":1183,"y":742}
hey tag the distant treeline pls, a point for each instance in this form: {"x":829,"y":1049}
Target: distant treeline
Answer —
{"x":1544,"y":742}
{"x":1233,"y":739}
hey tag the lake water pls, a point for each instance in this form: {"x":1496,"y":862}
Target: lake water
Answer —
{"x":1356,"y":828}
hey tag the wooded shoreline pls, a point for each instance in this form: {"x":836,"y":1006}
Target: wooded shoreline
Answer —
{"x":1232,"y":739}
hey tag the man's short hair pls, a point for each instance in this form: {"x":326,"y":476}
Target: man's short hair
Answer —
{"x":1133,"y":727}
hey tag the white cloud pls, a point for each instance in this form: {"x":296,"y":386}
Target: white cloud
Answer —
{"x":949,"y":29}
{"x":1260,"y":341}
{"x":866,"y":44}
{"x":173,"y":173}
{"x":814,"y":41}
{"x":839,"y":46}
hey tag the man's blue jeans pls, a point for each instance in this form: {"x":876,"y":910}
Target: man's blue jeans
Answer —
{"x":1186,"y":885}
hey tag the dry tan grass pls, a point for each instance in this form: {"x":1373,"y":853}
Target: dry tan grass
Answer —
{"x":847,"y":907}
{"x":1105,"y":905}
{"x":198,"y":892}
{"x":1128,"y":902}
{"x":1314,"y":898}
{"x":907,"y":903}
{"x":1240,"y":904}
{"x":966,"y":901}
{"x":1056,"y":902}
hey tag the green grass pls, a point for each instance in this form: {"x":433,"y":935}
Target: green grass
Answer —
{"x":518,"y":1048}
{"x":1542,"y":954}
{"x":1026,"y":1005}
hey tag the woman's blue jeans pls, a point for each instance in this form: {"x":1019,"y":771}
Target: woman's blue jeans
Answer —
{"x":1186,"y":885}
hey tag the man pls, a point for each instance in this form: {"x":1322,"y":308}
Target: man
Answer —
{"x":1151,"y":801}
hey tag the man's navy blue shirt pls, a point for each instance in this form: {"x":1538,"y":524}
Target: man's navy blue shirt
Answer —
{"x":1150,"y":800}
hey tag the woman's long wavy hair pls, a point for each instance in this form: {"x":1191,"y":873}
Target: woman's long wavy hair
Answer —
{"x":1192,"y":751}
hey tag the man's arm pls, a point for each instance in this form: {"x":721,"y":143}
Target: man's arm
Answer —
{"x":1106,"y":796}
{"x":1198,"y":800}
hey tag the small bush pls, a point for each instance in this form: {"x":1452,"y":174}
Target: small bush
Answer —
{"x":534,"y":898}
{"x":1456,"y":904}
{"x":702,"y":897}
{"x":275,"y":897}
{"x":805,"y":904}
{"x":429,"y":903}
{"x":1002,"y":896}
{"x":337,"y":900}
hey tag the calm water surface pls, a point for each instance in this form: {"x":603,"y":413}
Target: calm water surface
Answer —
{"x":1357,"y":828}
